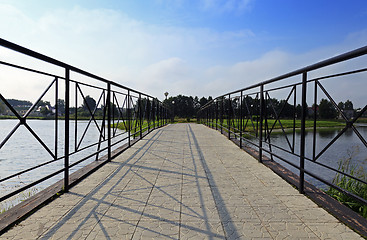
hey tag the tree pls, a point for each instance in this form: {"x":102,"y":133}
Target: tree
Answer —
{"x":60,"y":106}
{"x":327,"y":110}
{"x":348,"y":105}
{"x":44,"y":107}
{"x":287,"y":109}
{"x":182,"y":106}
{"x":89,"y":102}
{"x":2,"y":107}
{"x":42,"y":103}
{"x":299,"y":111}
{"x":45,"y":111}
{"x":273,"y":107}
{"x":203,"y":101}
{"x":341,"y":106}
{"x":197,"y":105}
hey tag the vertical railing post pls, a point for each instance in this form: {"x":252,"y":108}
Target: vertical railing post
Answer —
{"x":303,"y":135}
{"x":241,"y":119}
{"x":213,"y":114}
{"x":314,"y":123}
{"x":108,"y":100}
{"x":158,"y":114}
{"x":76,"y":118}
{"x":229,"y":116}
{"x":221,"y":116}
{"x":208,"y":116}
{"x":67,"y":126}
{"x":149,"y":111}
{"x":261,"y":123}
{"x":216,"y":115}
{"x":128,"y":116}
{"x":155,"y":112}
{"x":140,"y":117}
{"x":57,"y":110}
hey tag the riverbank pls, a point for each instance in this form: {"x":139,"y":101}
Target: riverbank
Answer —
{"x":72,"y":117}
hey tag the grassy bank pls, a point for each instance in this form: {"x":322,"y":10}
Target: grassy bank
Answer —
{"x":72,"y":117}
{"x":285,"y":123}
{"x":351,"y":185}
{"x":184,"y":120}
{"x":362,"y":120}
{"x":134,"y":126}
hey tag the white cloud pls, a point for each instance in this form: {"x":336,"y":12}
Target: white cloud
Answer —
{"x":173,"y":75}
{"x":242,"y":74}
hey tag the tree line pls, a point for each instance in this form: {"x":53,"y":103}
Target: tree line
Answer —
{"x":182,"y":106}
{"x":185,"y":106}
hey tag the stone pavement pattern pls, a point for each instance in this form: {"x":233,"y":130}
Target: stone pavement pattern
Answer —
{"x":183,"y":181}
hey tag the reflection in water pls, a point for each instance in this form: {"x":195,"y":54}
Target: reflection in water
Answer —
{"x":327,"y":133}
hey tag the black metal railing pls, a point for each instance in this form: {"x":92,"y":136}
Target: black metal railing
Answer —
{"x":287,"y":108}
{"x":91,"y":116}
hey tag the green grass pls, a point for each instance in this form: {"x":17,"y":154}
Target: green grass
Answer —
{"x":362,"y":120}
{"x":184,"y":120}
{"x":135,"y":126}
{"x":286,"y":123}
{"x":351,"y":185}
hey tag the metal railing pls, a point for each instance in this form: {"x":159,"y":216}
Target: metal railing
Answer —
{"x":83,"y":129}
{"x":254,"y":115}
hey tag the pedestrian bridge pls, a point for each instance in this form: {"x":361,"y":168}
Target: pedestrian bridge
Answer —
{"x":182,"y":181}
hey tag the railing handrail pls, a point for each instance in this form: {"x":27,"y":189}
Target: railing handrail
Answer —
{"x":40,"y":56}
{"x":330,"y":61}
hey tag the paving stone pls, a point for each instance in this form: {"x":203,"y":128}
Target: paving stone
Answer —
{"x":315,"y":215}
{"x":237,"y":213}
{"x":337,"y":231}
{"x":171,"y":213}
{"x":290,"y":230}
{"x":157,"y":230}
{"x":264,"y":199}
{"x":203,"y":213}
{"x":246,"y":230}
{"x":297,"y":202}
{"x":113,"y":229}
{"x":69,"y":231}
{"x":164,"y":200}
{"x":123,"y":212}
{"x":276,"y":213}
{"x":201,"y":230}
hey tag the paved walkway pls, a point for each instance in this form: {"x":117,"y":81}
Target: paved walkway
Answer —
{"x":183,"y":181}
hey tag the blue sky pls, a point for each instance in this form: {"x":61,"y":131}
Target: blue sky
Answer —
{"x":186,"y":47}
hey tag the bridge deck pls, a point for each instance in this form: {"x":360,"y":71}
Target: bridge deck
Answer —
{"x":183,"y":181}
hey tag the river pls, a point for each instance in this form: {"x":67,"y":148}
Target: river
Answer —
{"x":347,"y":146}
{"x":23,"y":151}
